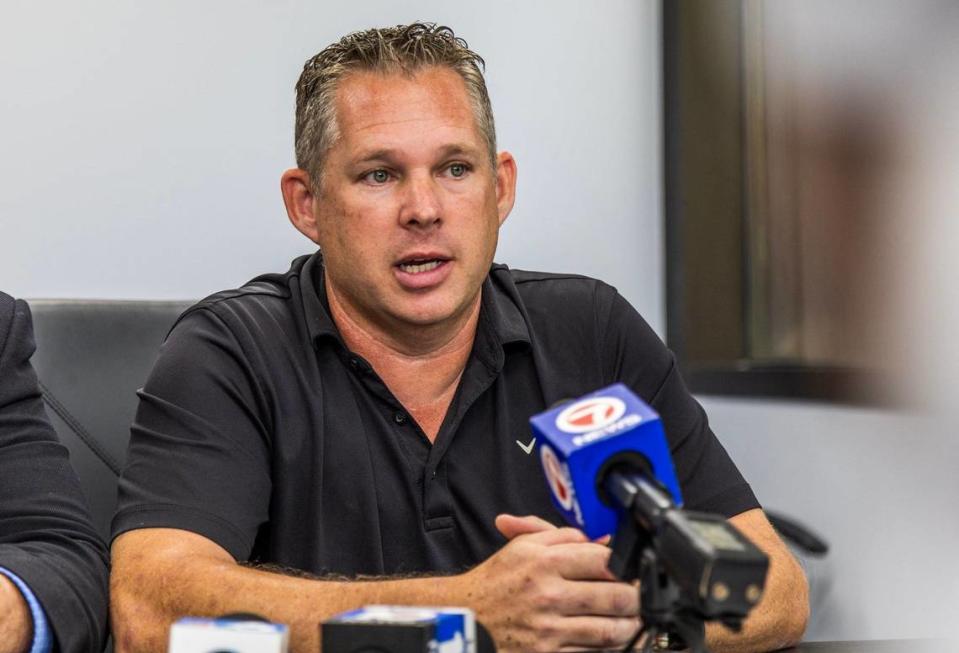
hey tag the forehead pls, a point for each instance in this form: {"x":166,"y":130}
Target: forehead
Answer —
{"x":374,"y":106}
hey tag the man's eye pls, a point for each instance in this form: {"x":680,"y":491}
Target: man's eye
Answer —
{"x":458,"y":170}
{"x":378,"y":176}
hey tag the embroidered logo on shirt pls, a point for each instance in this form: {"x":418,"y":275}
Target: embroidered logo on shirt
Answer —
{"x":527,"y":448}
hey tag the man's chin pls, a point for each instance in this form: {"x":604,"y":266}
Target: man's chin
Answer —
{"x":430,"y":314}
{"x":425,"y":319}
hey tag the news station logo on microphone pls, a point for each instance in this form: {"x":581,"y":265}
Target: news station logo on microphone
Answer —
{"x":590,"y":414}
{"x":577,"y":439}
{"x":557,"y":476}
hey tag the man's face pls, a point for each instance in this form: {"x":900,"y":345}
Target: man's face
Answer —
{"x":409,"y":206}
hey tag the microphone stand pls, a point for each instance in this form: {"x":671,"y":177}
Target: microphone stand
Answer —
{"x":677,"y":566}
{"x":661,"y":607}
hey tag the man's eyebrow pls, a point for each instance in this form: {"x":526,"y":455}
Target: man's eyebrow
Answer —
{"x":389,"y":154}
{"x":385,"y":154}
{"x":460,"y":148}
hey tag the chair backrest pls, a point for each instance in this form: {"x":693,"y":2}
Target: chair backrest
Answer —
{"x":92,"y":356}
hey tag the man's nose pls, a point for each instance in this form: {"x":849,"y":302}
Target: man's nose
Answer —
{"x":421,"y":203}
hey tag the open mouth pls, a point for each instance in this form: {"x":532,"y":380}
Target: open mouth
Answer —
{"x":418,"y":266}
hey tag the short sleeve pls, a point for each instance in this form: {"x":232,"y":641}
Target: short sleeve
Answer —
{"x":635,"y":355}
{"x":199,"y":455}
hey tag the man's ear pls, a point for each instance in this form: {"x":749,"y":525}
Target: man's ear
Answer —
{"x":299,"y":200}
{"x":505,"y":184}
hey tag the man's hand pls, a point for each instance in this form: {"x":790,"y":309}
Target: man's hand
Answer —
{"x":549,"y":589}
{"x":780,"y":618}
{"x":16,"y":624}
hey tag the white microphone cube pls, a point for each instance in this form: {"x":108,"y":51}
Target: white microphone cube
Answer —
{"x":195,"y":635}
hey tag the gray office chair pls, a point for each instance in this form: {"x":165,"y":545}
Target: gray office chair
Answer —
{"x":91,"y":358}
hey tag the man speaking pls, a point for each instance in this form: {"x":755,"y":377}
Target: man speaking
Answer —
{"x":355,"y":430}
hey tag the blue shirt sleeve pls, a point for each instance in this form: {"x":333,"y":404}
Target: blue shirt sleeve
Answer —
{"x":42,"y":637}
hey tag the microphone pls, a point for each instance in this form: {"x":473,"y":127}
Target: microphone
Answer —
{"x":405,"y":629}
{"x":607,"y":462}
{"x":582,"y":441}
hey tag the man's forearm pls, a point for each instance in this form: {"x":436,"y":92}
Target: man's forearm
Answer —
{"x":780,"y":618}
{"x":16,"y":625}
{"x":142,"y":611}
{"x":777,"y":622}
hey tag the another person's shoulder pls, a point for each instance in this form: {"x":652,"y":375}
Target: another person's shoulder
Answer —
{"x":7,"y":308}
{"x":15,"y":329}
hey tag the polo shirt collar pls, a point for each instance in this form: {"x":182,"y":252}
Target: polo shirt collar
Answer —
{"x":501,"y":310}
{"x":316,"y":307}
{"x":497,"y":310}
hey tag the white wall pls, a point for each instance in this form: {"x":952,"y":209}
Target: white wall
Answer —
{"x":140,"y":150}
{"x":143,"y":141}
{"x":881,"y":486}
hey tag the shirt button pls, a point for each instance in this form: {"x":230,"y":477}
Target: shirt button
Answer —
{"x":399,"y":418}
{"x":354,"y":363}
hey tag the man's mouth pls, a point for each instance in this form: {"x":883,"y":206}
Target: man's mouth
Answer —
{"x":418,"y":266}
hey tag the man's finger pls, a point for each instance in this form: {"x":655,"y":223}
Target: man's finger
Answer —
{"x":596,"y":632}
{"x":512,"y":525}
{"x":580,"y":561}
{"x":557,"y":536}
{"x":599,"y":599}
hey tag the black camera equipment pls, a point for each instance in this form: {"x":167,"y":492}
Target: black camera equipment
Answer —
{"x":693,"y":567}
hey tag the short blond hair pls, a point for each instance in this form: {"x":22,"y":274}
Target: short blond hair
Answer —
{"x":404,"y":49}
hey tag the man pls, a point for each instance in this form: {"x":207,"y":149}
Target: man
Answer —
{"x":357,"y":417}
{"x":53,"y":565}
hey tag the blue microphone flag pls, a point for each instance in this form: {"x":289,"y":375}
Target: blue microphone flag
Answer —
{"x":578,"y":438}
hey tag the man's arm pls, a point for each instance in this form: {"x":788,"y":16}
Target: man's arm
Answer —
{"x":46,"y":538}
{"x":543,"y":591}
{"x":16,"y":625}
{"x":780,"y":618}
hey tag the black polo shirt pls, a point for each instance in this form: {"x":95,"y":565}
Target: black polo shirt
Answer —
{"x":261,"y":431}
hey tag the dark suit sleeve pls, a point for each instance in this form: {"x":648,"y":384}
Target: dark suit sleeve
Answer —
{"x":46,"y":537}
